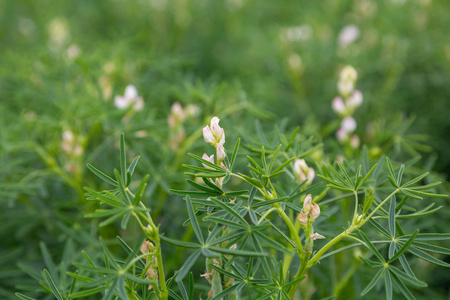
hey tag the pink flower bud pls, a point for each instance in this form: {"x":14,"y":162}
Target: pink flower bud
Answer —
{"x":341,"y":135}
{"x":338,"y":106}
{"x":307,"y":203}
{"x":355,"y":99}
{"x":316,"y":236}
{"x":220,"y":152}
{"x":348,"y":124}
{"x":311,"y":175}
{"x":354,"y":141}
{"x":208,"y":158}
{"x":217,"y":132}
{"x":302,"y":218}
{"x":208,"y":136}
{"x":315,"y":212}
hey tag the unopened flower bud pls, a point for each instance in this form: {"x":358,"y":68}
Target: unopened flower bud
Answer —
{"x":302,"y":218}
{"x":220,"y":152}
{"x":315,"y":212}
{"x":146,"y":247}
{"x":354,"y":141}
{"x":345,"y":88}
{"x":355,"y":100}
{"x":348,"y":124}
{"x":316,"y":236}
{"x":341,"y":135}
{"x":348,"y":73}
{"x":307,"y":203}
{"x":217,"y":131}
{"x":178,"y":111}
{"x":208,"y":136}
{"x":338,"y":106}
{"x":208,"y":158}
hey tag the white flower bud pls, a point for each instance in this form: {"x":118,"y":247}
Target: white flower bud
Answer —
{"x":220,"y":152}
{"x":208,"y":158}
{"x":355,"y":99}
{"x":345,"y":87}
{"x":348,"y":124}
{"x":354,"y":141}
{"x":348,"y":35}
{"x":341,"y":135}
{"x":307,"y":203}
{"x":302,"y":218}
{"x":208,"y":136}
{"x":348,"y":73}
{"x":316,"y":236}
{"x":315,"y":212}
{"x":338,"y":106}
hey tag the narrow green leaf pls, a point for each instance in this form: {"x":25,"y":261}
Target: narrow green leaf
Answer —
{"x":405,"y":277}
{"x":283,"y":165}
{"x":402,"y":287}
{"x":23,"y":297}
{"x":237,"y":252}
{"x":418,"y":178}
{"x":404,"y":247}
{"x":123,"y":161}
{"x":391,"y":219}
{"x":86,"y":293}
{"x":373,"y":282}
{"x":187,"y":265}
{"x":371,"y":246}
{"x":391,"y":169}
{"x":133,"y":165}
{"x":52,"y":285}
{"x":364,"y":179}
{"x":194,"y":221}
{"x":388,"y":284}
{"x":230,"y":211}
{"x":102,"y":175}
{"x":400,"y":175}
{"x":431,"y":248}
{"x":140,"y":191}
{"x":121,"y":186}
{"x":427,"y":257}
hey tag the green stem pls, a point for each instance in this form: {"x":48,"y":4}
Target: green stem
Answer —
{"x":335,"y":240}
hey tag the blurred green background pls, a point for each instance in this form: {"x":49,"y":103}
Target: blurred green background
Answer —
{"x":63,"y":62}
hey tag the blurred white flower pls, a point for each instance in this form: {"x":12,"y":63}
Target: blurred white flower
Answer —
{"x":355,"y":100}
{"x":354,"y":141}
{"x":348,"y":124}
{"x":348,"y":35}
{"x":338,"y":106}
{"x":303,"y":172}
{"x":295,"y":62}
{"x":130,"y":98}
{"x":298,"y":33}
{"x":192,"y":111}
{"x":220,"y":152}
{"x":58,"y":31}
{"x":73,"y":51}
{"x":341,"y":135}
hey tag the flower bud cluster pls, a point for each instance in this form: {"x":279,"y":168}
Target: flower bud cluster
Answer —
{"x":215,"y":135}
{"x":71,"y":144}
{"x":176,"y":120}
{"x":309,"y":213}
{"x":303,"y":172}
{"x":346,"y":104}
{"x":129,"y":99}
{"x":147,"y":247}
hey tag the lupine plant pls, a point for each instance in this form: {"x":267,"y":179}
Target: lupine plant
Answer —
{"x":260,"y":230}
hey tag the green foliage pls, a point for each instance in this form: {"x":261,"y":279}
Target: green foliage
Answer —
{"x":75,"y":214}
